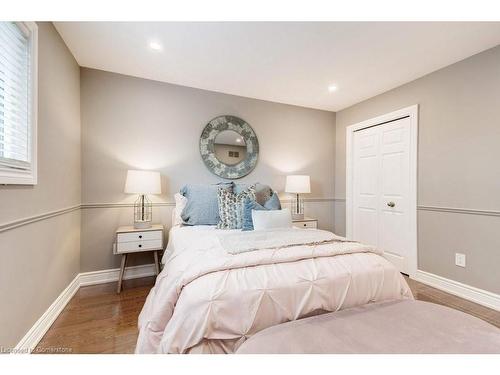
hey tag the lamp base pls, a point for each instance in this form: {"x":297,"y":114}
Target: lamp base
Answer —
{"x":142,"y":224}
{"x":297,"y":208}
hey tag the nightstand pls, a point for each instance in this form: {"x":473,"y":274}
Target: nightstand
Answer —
{"x":131,"y":240}
{"x":305,"y":223}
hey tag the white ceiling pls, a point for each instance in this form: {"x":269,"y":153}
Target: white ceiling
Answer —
{"x":291,"y":63}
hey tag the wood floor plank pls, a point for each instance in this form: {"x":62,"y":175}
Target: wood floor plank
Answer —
{"x":97,"y":320}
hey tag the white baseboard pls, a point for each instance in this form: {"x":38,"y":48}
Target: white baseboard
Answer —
{"x":42,"y":325}
{"x":480,"y":296}
{"x":108,"y":276}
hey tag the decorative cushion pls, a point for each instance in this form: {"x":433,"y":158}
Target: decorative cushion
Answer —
{"x":248,"y":206}
{"x":271,"y":219}
{"x":262,"y":192}
{"x":180,"y":203}
{"x":231,"y":207}
{"x":272,"y":203}
{"x":202,"y":207}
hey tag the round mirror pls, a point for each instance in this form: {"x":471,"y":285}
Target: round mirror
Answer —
{"x":229,"y":147}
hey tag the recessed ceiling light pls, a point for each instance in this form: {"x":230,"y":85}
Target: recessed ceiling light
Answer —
{"x":332,"y":88}
{"x":238,"y":140}
{"x":155,"y":46}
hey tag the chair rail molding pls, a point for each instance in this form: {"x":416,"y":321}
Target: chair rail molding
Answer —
{"x":454,"y":210}
{"x":33,"y":219}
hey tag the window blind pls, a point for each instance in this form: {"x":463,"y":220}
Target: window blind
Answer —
{"x":14,"y":96}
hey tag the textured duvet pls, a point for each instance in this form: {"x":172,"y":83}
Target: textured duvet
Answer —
{"x":208,"y":299}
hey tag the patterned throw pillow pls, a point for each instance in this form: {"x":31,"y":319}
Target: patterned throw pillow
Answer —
{"x":231,"y":207}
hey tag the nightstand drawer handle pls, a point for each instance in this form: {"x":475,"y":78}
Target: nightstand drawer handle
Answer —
{"x":140,"y":235}
{"x":140,"y":245}
{"x":305,"y":224}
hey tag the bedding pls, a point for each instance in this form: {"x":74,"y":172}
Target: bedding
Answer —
{"x":180,"y":203}
{"x":236,"y":243}
{"x":272,"y":219}
{"x":207,"y":300}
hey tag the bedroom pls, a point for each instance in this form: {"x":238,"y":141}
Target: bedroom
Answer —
{"x":213,"y":187}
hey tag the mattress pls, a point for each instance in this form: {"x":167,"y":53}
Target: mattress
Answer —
{"x":208,"y":300}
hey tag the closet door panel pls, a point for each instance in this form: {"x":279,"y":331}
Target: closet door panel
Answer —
{"x":366,"y":154}
{"x":394,"y":188}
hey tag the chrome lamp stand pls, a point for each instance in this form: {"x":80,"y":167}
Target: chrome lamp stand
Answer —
{"x":298,"y":207}
{"x":143,"y":212}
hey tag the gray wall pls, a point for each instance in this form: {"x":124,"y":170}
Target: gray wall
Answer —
{"x":459,"y":152}
{"x":38,"y":260}
{"x":136,"y":123}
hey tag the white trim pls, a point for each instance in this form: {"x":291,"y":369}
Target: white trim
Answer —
{"x":30,"y":176}
{"x":33,"y":219}
{"x":42,"y":325}
{"x":412,"y":112}
{"x":47,"y":215}
{"x":470,"y":293}
{"x":454,"y":210}
{"x":111,"y":275}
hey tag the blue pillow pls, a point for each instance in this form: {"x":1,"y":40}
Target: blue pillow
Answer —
{"x":248,"y":206}
{"x":202,"y":207}
{"x":272,"y":203}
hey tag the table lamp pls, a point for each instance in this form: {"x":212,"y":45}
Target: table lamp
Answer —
{"x":143,"y":183}
{"x":298,"y":184}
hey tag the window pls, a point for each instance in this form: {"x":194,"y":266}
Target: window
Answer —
{"x":18,"y":101}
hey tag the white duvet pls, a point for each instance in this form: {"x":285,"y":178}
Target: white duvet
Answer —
{"x":209,"y":300}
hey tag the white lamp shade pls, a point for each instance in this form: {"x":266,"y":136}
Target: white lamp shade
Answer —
{"x":298,"y":184}
{"x":143,"y":182}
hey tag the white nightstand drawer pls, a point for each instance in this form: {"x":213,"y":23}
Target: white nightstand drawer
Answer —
{"x":139,"y":236}
{"x":306,"y":224}
{"x":128,"y":247}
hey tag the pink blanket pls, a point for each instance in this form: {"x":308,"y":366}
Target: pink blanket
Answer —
{"x":209,"y":300}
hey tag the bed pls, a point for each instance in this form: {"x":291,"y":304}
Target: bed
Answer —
{"x":210,"y":299}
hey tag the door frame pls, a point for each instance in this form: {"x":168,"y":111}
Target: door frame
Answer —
{"x":412,"y":113}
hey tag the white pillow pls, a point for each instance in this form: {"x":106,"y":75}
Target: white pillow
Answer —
{"x":180,"y":203}
{"x":264,"y":219}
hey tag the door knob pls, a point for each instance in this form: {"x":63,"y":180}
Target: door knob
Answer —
{"x":391,"y":204}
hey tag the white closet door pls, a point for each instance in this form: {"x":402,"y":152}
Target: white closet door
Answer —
{"x":366,"y":186}
{"x":381,"y":189}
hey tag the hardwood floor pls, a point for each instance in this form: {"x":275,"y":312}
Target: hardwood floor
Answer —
{"x":97,"y":320}
{"x":427,"y":293}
